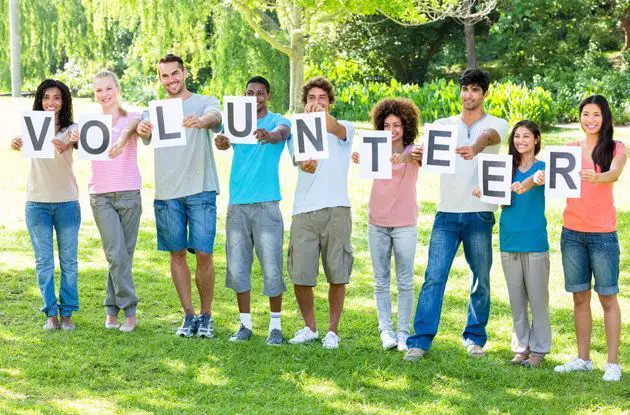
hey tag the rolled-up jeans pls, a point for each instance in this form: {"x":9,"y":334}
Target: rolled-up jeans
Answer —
{"x":474,"y":230}
{"x":402,"y":241}
{"x":65,"y":219}
{"x":117,"y":216}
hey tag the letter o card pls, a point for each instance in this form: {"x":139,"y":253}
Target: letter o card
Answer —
{"x":562,"y":172}
{"x":167,"y":117}
{"x":240,"y":118}
{"x":38,"y":131}
{"x":440,"y":142}
{"x":309,"y":136}
{"x":375,"y":148}
{"x":95,"y":136}
{"x":495,"y":178}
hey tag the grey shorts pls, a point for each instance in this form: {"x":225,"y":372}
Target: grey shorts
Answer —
{"x":256,"y":226}
{"x":326,"y":231}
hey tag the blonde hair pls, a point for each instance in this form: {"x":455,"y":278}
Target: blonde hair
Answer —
{"x":106,"y":73}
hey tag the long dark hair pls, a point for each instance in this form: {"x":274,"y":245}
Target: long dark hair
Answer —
{"x":605,"y":147}
{"x":65,"y":114}
{"x":516,"y":156}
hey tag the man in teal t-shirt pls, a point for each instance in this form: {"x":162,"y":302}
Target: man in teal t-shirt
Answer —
{"x":254,"y":220}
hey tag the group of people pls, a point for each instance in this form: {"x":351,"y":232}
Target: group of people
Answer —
{"x":186,"y":187}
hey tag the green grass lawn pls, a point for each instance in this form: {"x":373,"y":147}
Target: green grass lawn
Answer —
{"x":150,"y":371}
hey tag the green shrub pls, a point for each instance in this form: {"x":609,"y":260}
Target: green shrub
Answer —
{"x":439,"y":99}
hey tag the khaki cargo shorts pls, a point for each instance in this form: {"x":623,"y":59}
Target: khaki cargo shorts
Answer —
{"x":326,"y":231}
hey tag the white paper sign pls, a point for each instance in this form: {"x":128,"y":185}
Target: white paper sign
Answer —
{"x":495,"y":178}
{"x":240,"y":118}
{"x":440,"y":142}
{"x":38,"y":131}
{"x":562,"y":172}
{"x":309,"y":136}
{"x":375,"y":148}
{"x":167,"y":116}
{"x":95,"y":136}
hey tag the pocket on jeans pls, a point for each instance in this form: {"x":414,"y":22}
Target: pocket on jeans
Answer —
{"x":210,"y":216}
{"x":487,"y":217}
{"x":161,"y":217}
{"x":272,"y":210}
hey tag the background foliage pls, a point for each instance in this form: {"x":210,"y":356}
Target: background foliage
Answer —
{"x":569,"y":49}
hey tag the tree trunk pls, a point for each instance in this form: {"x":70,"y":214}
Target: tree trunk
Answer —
{"x":14,"y":23}
{"x":471,"y":53}
{"x":624,"y":22}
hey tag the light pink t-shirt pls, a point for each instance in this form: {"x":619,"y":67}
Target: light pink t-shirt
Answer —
{"x":122,"y":173}
{"x":393,"y":201}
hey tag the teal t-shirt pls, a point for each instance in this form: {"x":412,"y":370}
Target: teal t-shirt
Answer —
{"x":523,"y":226}
{"x":254,"y":175}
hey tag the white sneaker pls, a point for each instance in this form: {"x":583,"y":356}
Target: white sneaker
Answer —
{"x":387,"y":340}
{"x":612,"y":372}
{"x":304,"y":335}
{"x":401,"y":337}
{"x":331,"y":340}
{"x":574,"y":365}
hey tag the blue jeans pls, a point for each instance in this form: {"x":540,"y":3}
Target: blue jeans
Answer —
{"x":402,"y":241}
{"x":187,"y":222}
{"x":65,"y":219}
{"x":449,"y":230}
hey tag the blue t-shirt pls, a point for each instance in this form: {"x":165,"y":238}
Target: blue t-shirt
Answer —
{"x":254,"y":175}
{"x":328,"y":185}
{"x":523,"y":226}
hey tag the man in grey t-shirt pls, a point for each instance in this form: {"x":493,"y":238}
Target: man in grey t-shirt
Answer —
{"x":186,"y":185}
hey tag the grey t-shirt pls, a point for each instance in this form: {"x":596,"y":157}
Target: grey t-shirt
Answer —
{"x":190,"y":169}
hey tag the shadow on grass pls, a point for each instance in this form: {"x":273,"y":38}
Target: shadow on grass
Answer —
{"x":151,"y":371}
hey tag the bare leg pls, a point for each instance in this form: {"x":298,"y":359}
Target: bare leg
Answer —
{"x":336,"y":296}
{"x":244,"y":300}
{"x":204,"y":278}
{"x":612,"y":323}
{"x":181,"y":278}
{"x":583,"y":322}
{"x":275,"y":304}
{"x":304,"y":297}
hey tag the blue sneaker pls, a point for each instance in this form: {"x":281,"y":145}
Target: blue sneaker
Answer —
{"x":205,"y":326}
{"x":188,"y":327}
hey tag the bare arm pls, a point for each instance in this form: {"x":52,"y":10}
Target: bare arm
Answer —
{"x":280,"y":133}
{"x":611,"y":176}
{"x":489,"y":137}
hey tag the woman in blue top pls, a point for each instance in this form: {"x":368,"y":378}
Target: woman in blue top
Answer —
{"x":525,"y":250}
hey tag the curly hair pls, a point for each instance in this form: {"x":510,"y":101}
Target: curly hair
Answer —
{"x":402,"y":108}
{"x":318,"y":82}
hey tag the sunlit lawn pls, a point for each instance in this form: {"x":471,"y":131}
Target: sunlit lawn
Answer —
{"x":94,"y":371}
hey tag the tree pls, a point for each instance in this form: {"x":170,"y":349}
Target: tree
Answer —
{"x":14,"y":23}
{"x":288,"y":25}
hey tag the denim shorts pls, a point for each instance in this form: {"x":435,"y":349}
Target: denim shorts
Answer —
{"x":259,"y":227}
{"x":188,"y":222}
{"x":590,"y":254}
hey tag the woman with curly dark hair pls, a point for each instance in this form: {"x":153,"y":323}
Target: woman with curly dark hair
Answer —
{"x":393,"y":214}
{"x":52,"y":204}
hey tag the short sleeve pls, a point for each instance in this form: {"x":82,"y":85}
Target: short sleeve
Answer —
{"x":349,"y":132}
{"x":212,"y":104}
{"x":620,"y":149}
{"x":501,"y":127}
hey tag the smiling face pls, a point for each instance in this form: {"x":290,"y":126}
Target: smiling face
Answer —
{"x":106,"y":91}
{"x":591,"y":119}
{"x":472,"y":96}
{"x":318,"y":96}
{"x":172,"y":77}
{"x":258,"y":90}
{"x":394,"y":124}
{"x":52,"y":100}
{"x":524,"y":140}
